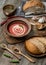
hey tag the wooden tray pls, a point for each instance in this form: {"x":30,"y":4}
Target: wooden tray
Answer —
{"x":9,"y":39}
{"x":33,"y":33}
{"x":36,"y":56}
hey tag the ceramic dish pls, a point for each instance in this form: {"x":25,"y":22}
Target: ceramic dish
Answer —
{"x":18,"y":27}
{"x":9,"y":10}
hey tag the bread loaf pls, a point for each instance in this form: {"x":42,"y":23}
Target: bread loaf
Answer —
{"x":33,"y":5}
{"x":34,"y":46}
{"x":42,"y":40}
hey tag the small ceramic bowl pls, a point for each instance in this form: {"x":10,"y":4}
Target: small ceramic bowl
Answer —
{"x":18,"y":27}
{"x":9,"y":10}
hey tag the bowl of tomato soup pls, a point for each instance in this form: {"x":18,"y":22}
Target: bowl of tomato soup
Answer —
{"x":18,"y":27}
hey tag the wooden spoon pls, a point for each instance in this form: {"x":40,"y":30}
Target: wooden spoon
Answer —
{"x":20,"y":53}
{"x":4,"y":46}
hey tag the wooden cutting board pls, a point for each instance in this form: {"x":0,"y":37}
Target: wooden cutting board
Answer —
{"x":33,"y":33}
{"x":9,"y":39}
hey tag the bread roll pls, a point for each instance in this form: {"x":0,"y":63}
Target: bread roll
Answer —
{"x":33,"y":5}
{"x":34,"y":46}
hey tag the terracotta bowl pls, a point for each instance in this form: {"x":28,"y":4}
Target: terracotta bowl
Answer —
{"x":18,"y":27}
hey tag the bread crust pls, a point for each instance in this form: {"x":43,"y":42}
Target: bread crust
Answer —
{"x":35,"y":48}
{"x":33,"y":3}
{"x":32,"y":48}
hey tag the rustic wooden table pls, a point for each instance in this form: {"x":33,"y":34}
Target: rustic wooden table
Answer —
{"x":5,"y":61}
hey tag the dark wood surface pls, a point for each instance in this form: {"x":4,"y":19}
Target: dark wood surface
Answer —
{"x":21,"y":46}
{"x":5,"y":61}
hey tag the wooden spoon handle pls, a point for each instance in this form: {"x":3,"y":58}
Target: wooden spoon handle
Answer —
{"x":30,"y":59}
{"x":12,"y":53}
